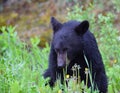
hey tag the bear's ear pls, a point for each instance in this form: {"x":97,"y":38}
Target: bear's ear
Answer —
{"x":56,"y":25}
{"x":82,"y":27}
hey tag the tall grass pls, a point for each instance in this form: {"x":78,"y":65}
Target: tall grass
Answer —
{"x":21,"y":67}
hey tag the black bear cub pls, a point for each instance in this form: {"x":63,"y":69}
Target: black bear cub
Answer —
{"x":72,"y":40}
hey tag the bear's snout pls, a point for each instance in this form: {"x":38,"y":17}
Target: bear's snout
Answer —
{"x":61,"y":60}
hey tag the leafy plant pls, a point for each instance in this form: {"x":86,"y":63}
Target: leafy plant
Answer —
{"x":21,"y":67}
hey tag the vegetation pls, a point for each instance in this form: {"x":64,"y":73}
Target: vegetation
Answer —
{"x":22,"y":66}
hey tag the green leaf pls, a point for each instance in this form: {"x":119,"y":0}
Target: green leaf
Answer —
{"x":15,"y":87}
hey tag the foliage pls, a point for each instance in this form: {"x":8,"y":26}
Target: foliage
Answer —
{"x":116,"y":5}
{"x":21,"y":67}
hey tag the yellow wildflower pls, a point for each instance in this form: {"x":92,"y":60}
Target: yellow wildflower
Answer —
{"x":67,"y":76}
{"x":59,"y":91}
{"x":115,"y":61}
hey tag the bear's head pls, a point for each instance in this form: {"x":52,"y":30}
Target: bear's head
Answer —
{"x":68,"y":39}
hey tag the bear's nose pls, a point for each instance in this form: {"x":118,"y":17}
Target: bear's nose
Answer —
{"x":61,"y":60}
{"x":61,"y":64}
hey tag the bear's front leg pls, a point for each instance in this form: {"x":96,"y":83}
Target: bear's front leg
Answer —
{"x":50,"y":73}
{"x":101,"y":82}
{"x":52,"y":68}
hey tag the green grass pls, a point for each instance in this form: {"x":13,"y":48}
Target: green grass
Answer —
{"x":22,"y":66}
